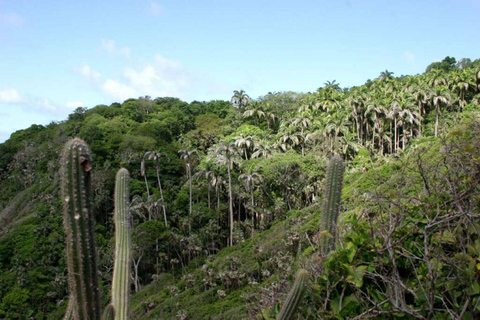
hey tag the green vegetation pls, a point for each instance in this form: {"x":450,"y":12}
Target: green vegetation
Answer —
{"x":228,"y":200}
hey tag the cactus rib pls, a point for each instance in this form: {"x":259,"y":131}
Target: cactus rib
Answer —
{"x":109,"y":313}
{"x":294,"y":297}
{"x":78,"y":220}
{"x":331,"y":204}
{"x":121,"y":273}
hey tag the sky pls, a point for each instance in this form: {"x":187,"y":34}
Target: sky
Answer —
{"x":56,"y":56}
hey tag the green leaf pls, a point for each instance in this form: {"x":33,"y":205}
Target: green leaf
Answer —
{"x":355,"y":275}
{"x":474,"y":289}
{"x":351,"y":250}
{"x":448,"y":237}
{"x":267,"y":314}
{"x":326,"y":233}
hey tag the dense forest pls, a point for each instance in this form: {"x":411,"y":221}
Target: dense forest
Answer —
{"x":226,"y":201}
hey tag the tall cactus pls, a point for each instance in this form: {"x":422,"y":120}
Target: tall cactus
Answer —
{"x":78,"y":221}
{"x":294,"y":297}
{"x":331,"y":204}
{"x":108,"y":313}
{"x":121,"y":271}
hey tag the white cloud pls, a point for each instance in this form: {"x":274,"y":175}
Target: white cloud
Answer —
{"x":10,"y":95}
{"x":89,"y":73}
{"x":74,"y":104}
{"x":158,"y":77}
{"x":409,"y":57}
{"x":110,"y":46}
{"x":21,"y":112}
{"x":10,"y":19}
{"x":155,"y":8}
{"x":118,"y":91}
{"x":163,"y":77}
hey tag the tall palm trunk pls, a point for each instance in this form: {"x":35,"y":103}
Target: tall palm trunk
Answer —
{"x":230,"y":198}
{"x":209,"y":190}
{"x":161,"y":196}
{"x":253,"y":209}
{"x":191,"y":196}
{"x":420,"y":118}
{"x":395,"y":127}
{"x":146,"y":183}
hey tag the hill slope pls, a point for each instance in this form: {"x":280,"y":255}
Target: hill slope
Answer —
{"x":408,"y":240}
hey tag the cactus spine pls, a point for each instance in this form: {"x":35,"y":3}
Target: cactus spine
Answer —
{"x":331,"y":204}
{"x":121,"y":271}
{"x":294,"y":297}
{"x":78,"y":221}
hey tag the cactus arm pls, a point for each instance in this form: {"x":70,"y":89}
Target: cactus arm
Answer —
{"x":331,"y":204}
{"x":121,"y":273}
{"x":78,"y":222}
{"x":294,"y":297}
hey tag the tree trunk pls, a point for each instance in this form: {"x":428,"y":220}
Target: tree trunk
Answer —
{"x":253,"y":209}
{"x":161,"y":196}
{"x":230,"y":217}
{"x":209,"y":190}
{"x":146,"y":183}
{"x":136,"y":279}
{"x":395,"y":141}
{"x":191,"y":196}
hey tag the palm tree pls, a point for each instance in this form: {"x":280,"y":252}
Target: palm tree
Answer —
{"x":249,"y":183}
{"x":217,"y":182}
{"x":262,"y":149}
{"x":189,"y":156}
{"x":245,"y":143}
{"x":385,"y":75}
{"x":440,"y":96}
{"x":156,"y":156}
{"x":206,"y":171}
{"x":143,"y":173}
{"x":292,"y":139}
{"x":302,"y":120}
{"x":227,"y":152}
{"x":240,"y":99}
{"x":421,"y":94}
{"x":334,"y":85}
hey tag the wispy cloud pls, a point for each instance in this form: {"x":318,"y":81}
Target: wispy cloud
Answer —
{"x":155,"y":8}
{"x":118,"y":90}
{"x":10,"y":95}
{"x":159,"y":77}
{"x":10,"y":19}
{"x":89,"y":73}
{"x":409,"y":57}
{"x":162,"y":77}
{"x":21,"y":111}
{"x":74,"y":104}
{"x":110,"y":46}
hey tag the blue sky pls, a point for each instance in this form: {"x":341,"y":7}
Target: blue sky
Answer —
{"x":58,"y":55}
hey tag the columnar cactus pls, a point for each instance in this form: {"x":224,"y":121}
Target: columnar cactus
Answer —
{"x":121,"y":271}
{"x":108,"y":313}
{"x":331,"y":204}
{"x":294,"y":297}
{"x":78,"y":220}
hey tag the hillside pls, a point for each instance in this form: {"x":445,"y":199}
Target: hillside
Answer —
{"x":407,"y":244}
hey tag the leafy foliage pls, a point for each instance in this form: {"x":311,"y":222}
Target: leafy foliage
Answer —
{"x":408,"y":229}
